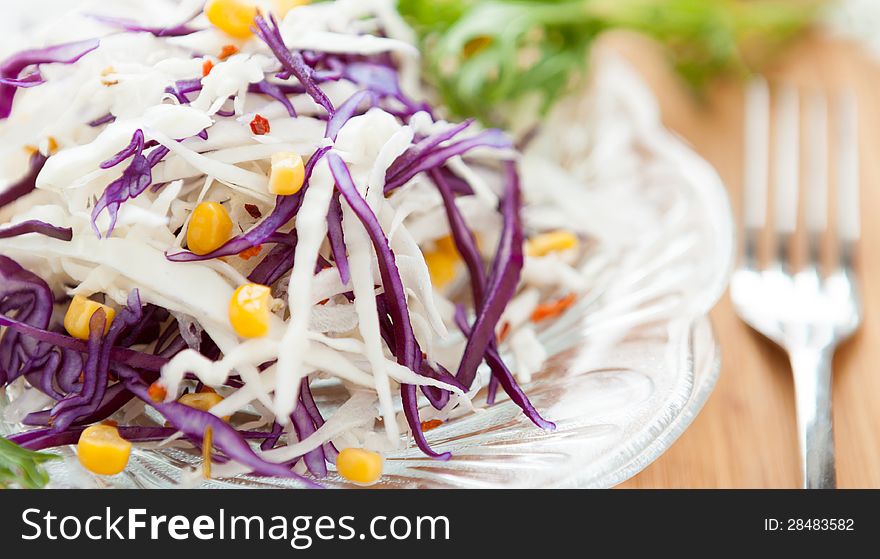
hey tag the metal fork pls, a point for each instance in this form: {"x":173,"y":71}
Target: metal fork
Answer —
{"x":807,"y":310}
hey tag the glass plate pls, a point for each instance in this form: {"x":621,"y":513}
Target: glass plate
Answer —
{"x":632,"y":363}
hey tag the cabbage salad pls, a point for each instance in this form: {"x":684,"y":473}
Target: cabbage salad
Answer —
{"x":219,"y":207}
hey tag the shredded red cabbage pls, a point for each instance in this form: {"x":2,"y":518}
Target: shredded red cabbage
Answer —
{"x":26,"y":184}
{"x":31,"y":80}
{"x":436,"y":156}
{"x":292,"y":62}
{"x":193,"y":423}
{"x":30,"y":298}
{"x":125,"y":24}
{"x":36,"y":226}
{"x":12,"y":67}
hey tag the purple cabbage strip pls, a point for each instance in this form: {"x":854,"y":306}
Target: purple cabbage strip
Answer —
{"x":292,"y":62}
{"x":383,"y":80}
{"x":436,"y":157}
{"x":106,"y":119}
{"x":286,"y":208}
{"x":31,"y":299}
{"x":278,"y":262}
{"x":11,"y":68}
{"x":414,"y":154}
{"x":122,"y":355}
{"x":41,"y":373}
{"x":347,"y":110}
{"x":387,"y":265}
{"x":125,"y":24}
{"x":272,"y":440}
{"x":505,"y":378}
{"x":303,"y":425}
{"x":306,"y":399}
{"x":193,"y":424}
{"x":41,"y":439}
{"x":96,"y":372}
{"x":463,"y":238}
{"x":39,"y":227}
{"x":30,"y":80}
{"x":275,"y":92}
{"x":337,"y":239}
{"x":466,"y":245}
{"x":136,"y":146}
{"x":115,"y":397}
{"x":437,"y":397}
{"x":135,"y":179}
{"x":26,"y":184}
{"x":506,"y":269}
{"x":405,"y":342}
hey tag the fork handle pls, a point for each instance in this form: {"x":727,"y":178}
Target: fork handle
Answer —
{"x":812,"y":386}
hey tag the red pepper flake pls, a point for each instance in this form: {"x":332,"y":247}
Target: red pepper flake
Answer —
{"x":253,"y":211}
{"x":227,"y":51}
{"x":207,"y":67}
{"x":324,"y":302}
{"x":431,"y":424}
{"x":259,"y":126}
{"x":205,"y":389}
{"x":157,"y":392}
{"x":503,"y":332}
{"x":553,"y":308}
{"x":110,"y":423}
{"x":249,"y":253}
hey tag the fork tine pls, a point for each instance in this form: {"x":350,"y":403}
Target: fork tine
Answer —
{"x":848,"y":218}
{"x":817,"y":176}
{"x":757,"y":139}
{"x":786,"y":176}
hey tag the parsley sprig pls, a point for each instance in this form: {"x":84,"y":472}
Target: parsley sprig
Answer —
{"x":491,"y":58}
{"x":21,"y":467}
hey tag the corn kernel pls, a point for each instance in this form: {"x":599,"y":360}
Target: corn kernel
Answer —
{"x":284,"y":6}
{"x":232,"y":16}
{"x":79,"y":314}
{"x":288,"y":173}
{"x":554,"y":241}
{"x":442,"y":261}
{"x":203,"y":401}
{"x":442,"y":268}
{"x":359,"y":466}
{"x":249,"y":310}
{"x":102,"y":451}
{"x":209,"y":228}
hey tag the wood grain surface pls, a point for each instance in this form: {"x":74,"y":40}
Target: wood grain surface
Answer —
{"x":745,"y":436}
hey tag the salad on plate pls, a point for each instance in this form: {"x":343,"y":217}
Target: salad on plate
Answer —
{"x":217,"y":214}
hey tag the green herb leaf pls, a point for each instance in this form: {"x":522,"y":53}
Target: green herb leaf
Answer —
{"x":21,"y":467}
{"x":493,"y":58}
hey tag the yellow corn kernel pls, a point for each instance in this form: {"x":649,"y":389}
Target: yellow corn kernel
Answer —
{"x":79,"y":314}
{"x":249,"y":310}
{"x":102,"y":451}
{"x":233,"y":17}
{"x":442,"y":268}
{"x":442,"y":261}
{"x":209,"y":228}
{"x":359,"y":466}
{"x":288,"y":173}
{"x":203,"y":401}
{"x":554,"y":241}
{"x":284,"y":6}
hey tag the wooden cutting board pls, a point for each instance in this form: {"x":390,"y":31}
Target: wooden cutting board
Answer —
{"x":745,"y":436}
